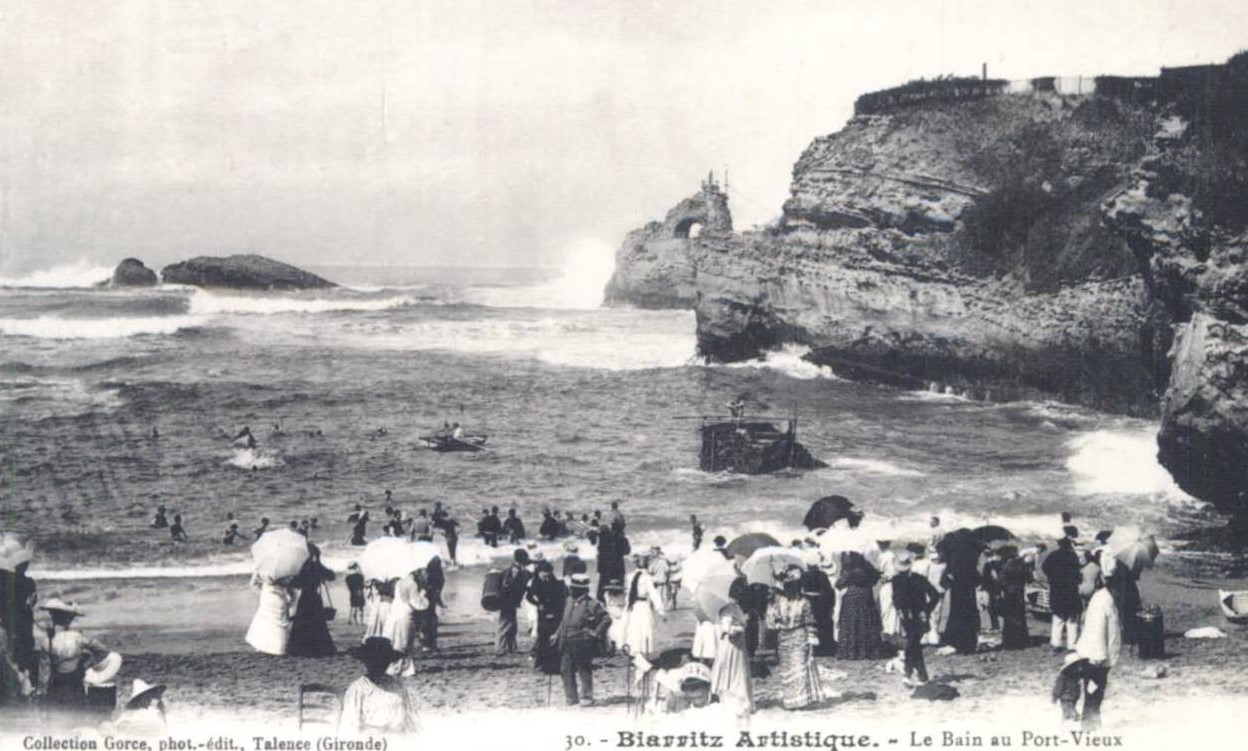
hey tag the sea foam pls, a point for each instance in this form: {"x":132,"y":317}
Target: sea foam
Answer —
{"x":1117,"y":461}
{"x":62,"y":276}
{"x":52,"y":327}
{"x":202,"y":302}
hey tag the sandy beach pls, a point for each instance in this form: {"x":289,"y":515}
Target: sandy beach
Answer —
{"x":188,"y":634}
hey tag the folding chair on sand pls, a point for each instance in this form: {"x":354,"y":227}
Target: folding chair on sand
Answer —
{"x":319,"y":704}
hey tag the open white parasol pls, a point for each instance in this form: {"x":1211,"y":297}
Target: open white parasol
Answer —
{"x":765,"y":565}
{"x":280,"y":553}
{"x":702,"y":565}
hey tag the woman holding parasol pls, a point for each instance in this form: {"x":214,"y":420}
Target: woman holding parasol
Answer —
{"x":280,"y":556}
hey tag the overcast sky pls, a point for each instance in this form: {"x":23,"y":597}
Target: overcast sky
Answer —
{"x":470,"y":132}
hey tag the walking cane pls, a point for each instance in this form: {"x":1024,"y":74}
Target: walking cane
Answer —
{"x":628,"y":679}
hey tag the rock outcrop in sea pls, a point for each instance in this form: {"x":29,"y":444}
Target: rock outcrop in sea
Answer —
{"x":1045,"y":239}
{"x":241,"y":272}
{"x":132,"y":273}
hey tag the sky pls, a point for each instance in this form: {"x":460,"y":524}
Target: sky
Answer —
{"x":466,"y":132}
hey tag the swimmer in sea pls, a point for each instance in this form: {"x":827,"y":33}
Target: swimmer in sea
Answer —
{"x":232,"y":534}
{"x":177,"y":531}
{"x":250,"y":440}
{"x":264,"y":527}
{"x":159,"y":521}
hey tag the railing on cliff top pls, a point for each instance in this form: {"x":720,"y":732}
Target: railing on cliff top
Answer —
{"x":1169,"y":86}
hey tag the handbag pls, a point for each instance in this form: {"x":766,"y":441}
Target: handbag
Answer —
{"x":329,"y":610}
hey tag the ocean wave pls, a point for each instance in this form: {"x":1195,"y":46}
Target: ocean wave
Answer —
{"x":206,"y":303}
{"x":601,"y":339}
{"x":63,"y":276}
{"x":580,"y":285}
{"x":1120,"y":461}
{"x":50,"y":327}
{"x":790,"y":361}
{"x":872,"y":466}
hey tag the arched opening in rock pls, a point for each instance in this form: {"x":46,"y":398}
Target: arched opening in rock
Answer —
{"x":689,"y":228}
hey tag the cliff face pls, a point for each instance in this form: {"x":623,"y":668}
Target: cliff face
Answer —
{"x":959,"y":243}
{"x":1035,"y":244}
{"x":1185,"y":215}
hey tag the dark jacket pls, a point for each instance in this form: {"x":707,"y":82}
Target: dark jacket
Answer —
{"x":584,"y":618}
{"x":914,"y":597}
{"x":1063,"y":572}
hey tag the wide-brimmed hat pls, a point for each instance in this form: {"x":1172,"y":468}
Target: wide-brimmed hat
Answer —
{"x":56,"y":604}
{"x":612,"y":585}
{"x":570,"y":547}
{"x":579,"y":581}
{"x":903,"y":561}
{"x":143,"y":690}
{"x":1071,"y":659}
{"x":375,"y":649}
{"x":104,"y":672}
{"x":791,"y":574}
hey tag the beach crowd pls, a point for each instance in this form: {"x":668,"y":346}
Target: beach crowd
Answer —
{"x":762,"y":611}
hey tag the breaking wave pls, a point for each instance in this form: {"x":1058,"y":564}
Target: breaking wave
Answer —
{"x":1120,"y":461}
{"x":63,"y":276}
{"x":50,"y":327}
{"x":208,"y":303}
{"x":790,"y":361}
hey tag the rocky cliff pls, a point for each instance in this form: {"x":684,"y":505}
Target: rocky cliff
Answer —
{"x":1012,"y":241}
{"x":241,"y":272}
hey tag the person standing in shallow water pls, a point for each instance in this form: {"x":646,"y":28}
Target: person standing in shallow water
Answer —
{"x":355,"y":593}
{"x":159,"y":520}
{"x":177,"y":531}
{"x":697,"y":531}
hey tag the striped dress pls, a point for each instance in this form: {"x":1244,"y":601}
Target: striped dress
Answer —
{"x":799,"y":678}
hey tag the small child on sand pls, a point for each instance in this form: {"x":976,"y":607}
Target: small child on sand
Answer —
{"x":1068,"y":688}
{"x":355,"y":588}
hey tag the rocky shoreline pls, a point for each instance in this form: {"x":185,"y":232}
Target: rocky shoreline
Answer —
{"x":1005,"y":241}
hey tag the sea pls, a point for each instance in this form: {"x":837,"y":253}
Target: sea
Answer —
{"x":115,"y":401}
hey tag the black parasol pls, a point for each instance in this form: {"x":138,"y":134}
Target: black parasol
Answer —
{"x":990,"y":533}
{"x":829,"y":510}
{"x":745,"y":545}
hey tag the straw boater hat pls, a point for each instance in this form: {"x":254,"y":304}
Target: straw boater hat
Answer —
{"x":375,"y":649}
{"x":579,"y":581}
{"x":143,"y":690}
{"x":104,"y":672}
{"x":56,"y":604}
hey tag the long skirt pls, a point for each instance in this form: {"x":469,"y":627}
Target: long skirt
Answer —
{"x":890,"y":621}
{"x":399,"y":629}
{"x":705,"y":641}
{"x":375,"y":617}
{"x":730,"y":674}
{"x":639,"y":628}
{"x":309,"y":632}
{"x":962,"y":631}
{"x":859,"y":627}
{"x":1014,"y":621}
{"x":799,"y":680}
{"x":270,"y":627}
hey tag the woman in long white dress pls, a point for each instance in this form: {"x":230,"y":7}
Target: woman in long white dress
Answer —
{"x":705,"y":641}
{"x":730,"y":673}
{"x":377,"y":608}
{"x":400,"y":627}
{"x":643,"y":602}
{"x":270,"y":626}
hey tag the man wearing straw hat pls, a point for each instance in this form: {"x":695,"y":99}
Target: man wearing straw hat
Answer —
{"x":69,"y":652}
{"x":584,"y":625}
